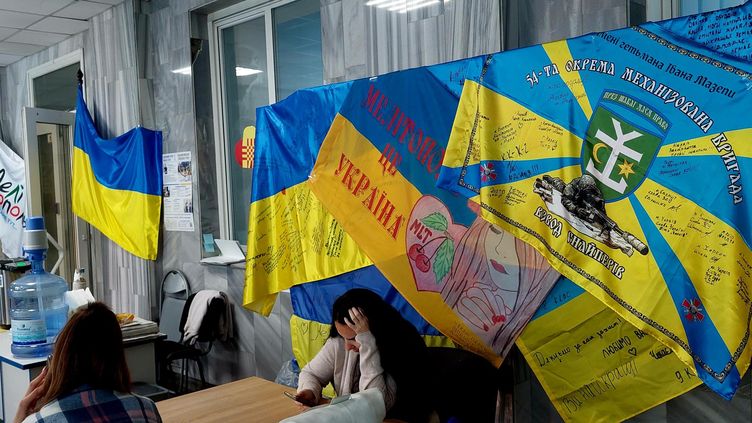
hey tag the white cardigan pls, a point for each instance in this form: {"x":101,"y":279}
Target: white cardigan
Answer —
{"x":336,"y":365}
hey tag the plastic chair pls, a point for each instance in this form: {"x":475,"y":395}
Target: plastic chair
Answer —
{"x":171,"y":351}
{"x":175,"y":292}
{"x":463,"y":385}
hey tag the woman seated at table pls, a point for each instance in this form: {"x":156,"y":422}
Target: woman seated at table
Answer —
{"x":87,"y":378}
{"x":370,"y":346}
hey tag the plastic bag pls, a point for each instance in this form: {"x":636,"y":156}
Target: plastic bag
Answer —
{"x":288,"y":374}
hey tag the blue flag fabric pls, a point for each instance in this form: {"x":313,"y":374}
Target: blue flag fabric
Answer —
{"x":117,"y":183}
{"x":621,"y":157}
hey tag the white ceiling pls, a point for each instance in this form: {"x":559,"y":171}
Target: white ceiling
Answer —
{"x":29,"y":26}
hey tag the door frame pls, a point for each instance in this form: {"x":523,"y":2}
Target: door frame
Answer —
{"x":81,"y":230}
{"x":76,"y":56}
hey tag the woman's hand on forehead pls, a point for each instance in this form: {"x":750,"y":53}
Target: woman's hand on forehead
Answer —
{"x":357,"y":320}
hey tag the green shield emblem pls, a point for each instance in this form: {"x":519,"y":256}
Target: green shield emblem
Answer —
{"x":617,"y":152}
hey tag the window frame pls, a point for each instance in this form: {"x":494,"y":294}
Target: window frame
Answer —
{"x":217,"y":21}
{"x":75,"y":56}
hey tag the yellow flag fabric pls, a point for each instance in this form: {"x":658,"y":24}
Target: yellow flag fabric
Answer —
{"x":292,"y":239}
{"x":376,"y":173}
{"x":628,"y":371}
{"x":627,"y":174}
{"x":117,"y":183}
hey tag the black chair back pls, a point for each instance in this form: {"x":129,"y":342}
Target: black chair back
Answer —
{"x":208,"y":331}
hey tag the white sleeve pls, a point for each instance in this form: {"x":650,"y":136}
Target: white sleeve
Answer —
{"x":371,"y":373}
{"x":319,"y":371}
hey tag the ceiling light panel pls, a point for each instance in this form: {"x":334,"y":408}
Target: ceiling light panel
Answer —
{"x":60,"y":25}
{"x":7,"y":32}
{"x":403,"y":6}
{"x":16,"y":19}
{"x":82,"y":10}
{"x":36,"y":37}
{"x":40,"y":7}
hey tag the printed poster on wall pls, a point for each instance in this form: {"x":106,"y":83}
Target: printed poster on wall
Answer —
{"x":177,"y":191}
{"x":12,"y":202}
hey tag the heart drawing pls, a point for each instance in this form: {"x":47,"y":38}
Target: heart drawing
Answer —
{"x":430,"y":243}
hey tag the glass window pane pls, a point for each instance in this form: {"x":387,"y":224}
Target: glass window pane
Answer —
{"x":57,"y":89}
{"x":637,"y":11}
{"x":53,"y":146}
{"x":246,"y":87}
{"x":297,"y":49}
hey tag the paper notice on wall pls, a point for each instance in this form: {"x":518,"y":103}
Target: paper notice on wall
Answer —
{"x":177,"y":191}
{"x":12,"y":201}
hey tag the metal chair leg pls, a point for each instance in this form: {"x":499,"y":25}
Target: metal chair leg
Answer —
{"x":201,"y":373}
{"x":184,"y":376}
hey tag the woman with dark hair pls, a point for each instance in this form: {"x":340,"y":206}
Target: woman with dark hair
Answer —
{"x":87,"y":378}
{"x":370,"y":346}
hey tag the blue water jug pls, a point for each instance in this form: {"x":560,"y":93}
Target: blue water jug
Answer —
{"x":38,"y":310}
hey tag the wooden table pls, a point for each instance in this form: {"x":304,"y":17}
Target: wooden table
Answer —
{"x":247,"y":400}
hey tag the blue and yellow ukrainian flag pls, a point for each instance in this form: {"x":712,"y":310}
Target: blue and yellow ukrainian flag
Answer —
{"x":117,"y":183}
{"x":622,"y":157}
{"x":292,"y":239}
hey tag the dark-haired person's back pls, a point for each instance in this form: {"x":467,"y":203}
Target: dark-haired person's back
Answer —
{"x":88,"y":405}
{"x":87,"y":378}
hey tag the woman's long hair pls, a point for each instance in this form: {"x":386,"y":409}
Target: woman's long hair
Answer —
{"x":402,"y":350}
{"x":88,"y":351}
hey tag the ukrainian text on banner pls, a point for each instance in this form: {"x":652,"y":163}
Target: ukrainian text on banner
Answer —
{"x":619,"y":156}
{"x":12,"y":202}
{"x":117,"y":183}
{"x":292,"y":239}
{"x":628,"y":370}
{"x":376,"y":173}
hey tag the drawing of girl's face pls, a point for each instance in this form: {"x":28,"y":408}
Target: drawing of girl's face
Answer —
{"x":503,"y":264}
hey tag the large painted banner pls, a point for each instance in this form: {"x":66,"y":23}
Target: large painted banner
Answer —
{"x":621,"y":157}
{"x":293,"y":242}
{"x":117,"y":183}
{"x":376,"y":173}
{"x":292,"y":239}
{"x":593,"y":364}
{"x":12,"y":202}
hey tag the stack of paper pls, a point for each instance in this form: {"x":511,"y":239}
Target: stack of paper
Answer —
{"x":139,"y":327}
